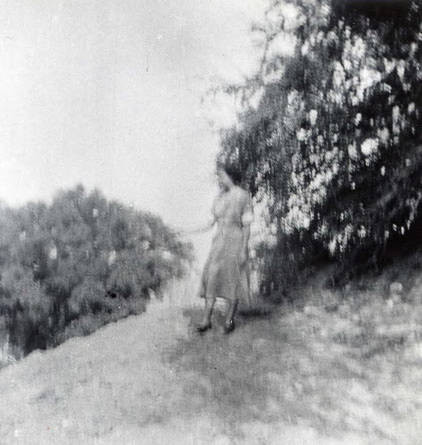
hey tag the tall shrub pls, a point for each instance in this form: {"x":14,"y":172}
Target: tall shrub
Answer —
{"x":329,"y":139}
{"x":72,"y":266}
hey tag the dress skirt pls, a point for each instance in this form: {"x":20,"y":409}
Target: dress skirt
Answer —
{"x":223,"y":275}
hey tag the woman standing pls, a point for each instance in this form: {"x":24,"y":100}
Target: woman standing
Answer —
{"x":225,"y":272}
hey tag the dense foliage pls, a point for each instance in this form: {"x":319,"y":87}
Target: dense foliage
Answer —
{"x":329,"y":139}
{"x":72,"y":266}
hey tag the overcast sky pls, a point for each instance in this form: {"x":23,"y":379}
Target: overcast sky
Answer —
{"x":108,"y":93}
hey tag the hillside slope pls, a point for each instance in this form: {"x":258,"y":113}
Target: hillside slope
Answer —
{"x":283,"y":378}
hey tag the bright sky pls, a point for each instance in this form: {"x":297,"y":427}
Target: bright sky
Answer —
{"x":108,"y":93}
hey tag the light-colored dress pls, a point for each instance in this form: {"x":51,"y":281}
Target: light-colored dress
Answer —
{"x":224,"y":276}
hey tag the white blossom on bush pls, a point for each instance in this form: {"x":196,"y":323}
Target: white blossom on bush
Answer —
{"x":301,"y":134}
{"x":369,"y":146}
{"x":313,"y":115}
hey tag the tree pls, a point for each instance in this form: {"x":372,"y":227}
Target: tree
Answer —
{"x":81,"y":262}
{"x":328,"y":140}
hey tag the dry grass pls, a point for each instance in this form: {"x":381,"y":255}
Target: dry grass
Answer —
{"x":344,"y":368}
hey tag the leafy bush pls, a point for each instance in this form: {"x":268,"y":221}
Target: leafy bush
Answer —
{"x":87,"y":298}
{"x":328,"y":141}
{"x":70,"y":267}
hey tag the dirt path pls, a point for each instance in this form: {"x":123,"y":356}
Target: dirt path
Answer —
{"x":151,"y":380}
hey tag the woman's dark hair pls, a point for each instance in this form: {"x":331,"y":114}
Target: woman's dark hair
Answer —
{"x":233,"y":171}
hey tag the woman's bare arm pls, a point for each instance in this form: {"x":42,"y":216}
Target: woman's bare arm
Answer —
{"x":201,"y":229}
{"x":245,"y":241}
{"x":204,"y":228}
{"x":246,"y":229}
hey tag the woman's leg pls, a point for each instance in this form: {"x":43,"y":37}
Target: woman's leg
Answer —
{"x":231,"y":312}
{"x":206,"y":322}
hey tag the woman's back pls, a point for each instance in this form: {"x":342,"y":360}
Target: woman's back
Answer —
{"x":230,"y":207}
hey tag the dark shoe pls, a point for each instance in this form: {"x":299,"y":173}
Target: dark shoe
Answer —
{"x":229,"y":327}
{"x":203,"y":327}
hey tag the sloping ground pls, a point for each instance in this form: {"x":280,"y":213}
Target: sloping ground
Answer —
{"x":295,"y":376}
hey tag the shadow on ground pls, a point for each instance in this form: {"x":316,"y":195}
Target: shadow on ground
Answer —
{"x":285,"y":367}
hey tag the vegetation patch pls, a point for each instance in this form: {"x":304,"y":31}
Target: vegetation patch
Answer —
{"x":72,"y":266}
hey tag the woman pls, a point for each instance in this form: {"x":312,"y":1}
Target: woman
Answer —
{"x":225,"y":272}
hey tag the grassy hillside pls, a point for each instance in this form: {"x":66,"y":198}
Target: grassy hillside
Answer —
{"x":336,"y":368}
